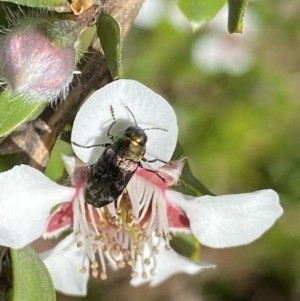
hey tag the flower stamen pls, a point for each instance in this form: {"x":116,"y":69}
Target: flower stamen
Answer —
{"x":120,"y":231}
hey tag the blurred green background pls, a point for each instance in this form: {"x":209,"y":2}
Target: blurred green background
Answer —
{"x":240,"y":132}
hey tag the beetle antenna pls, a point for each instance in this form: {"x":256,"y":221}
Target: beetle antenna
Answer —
{"x":152,"y":128}
{"x":131,"y":115}
{"x":155,"y":128}
{"x":113,"y":113}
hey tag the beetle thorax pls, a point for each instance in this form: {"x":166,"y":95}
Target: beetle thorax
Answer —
{"x":130,"y":143}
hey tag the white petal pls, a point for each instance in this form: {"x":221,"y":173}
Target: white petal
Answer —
{"x":168,"y":263}
{"x":71,"y":163}
{"x":26,"y":198}
{"x":215,"y":53}
{"x":229,"y":220}
{"x":149,"y":109}
{"x":150,"y":14}
{"x":64,"y":262}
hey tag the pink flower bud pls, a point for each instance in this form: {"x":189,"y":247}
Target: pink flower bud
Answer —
{"x":38,"y":59}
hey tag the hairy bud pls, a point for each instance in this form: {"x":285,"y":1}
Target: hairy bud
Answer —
{"x":38,"y":57}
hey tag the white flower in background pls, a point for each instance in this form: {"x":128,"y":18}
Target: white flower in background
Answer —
{"x":154,"y":11}
{"x":150,"y":14}
{"x":215,"y":53}
{"x":135,"y":230}
{"x":218,"y":51}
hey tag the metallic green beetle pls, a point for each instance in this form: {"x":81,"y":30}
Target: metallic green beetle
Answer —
{"x":109,"y":176}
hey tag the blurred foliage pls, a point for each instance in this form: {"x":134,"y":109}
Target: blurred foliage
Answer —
{"x":239,"y":133}
{"x":199,"y":12}
{"x":55,"y":168}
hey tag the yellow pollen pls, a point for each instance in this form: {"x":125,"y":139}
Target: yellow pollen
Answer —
{"x":139,"y":251}
{"x":95,"y":273}
{"x":147,"y":261}
{"x":102,"y":223}
{"x":105,"y":248}
{"x":120,"y":264}
{"x":128,"y":227}
{"x":89,"y":236}
{"x":116,"y":250}
{"x":152,"y":272}
{"x":126,"y":253}
{"x":94,"y":265}
{"x":100,"y":237}
{"x":83,"y":270}
{"x":155,"y":250}
{"x":169,"y":236}
{"x":94,"y":248}
{"x":136,"y":228}
{"x":144,"y":275}
{"x":134,"y":274}
{"x":119,"y":226}
{"x":79,"y":244}
{"x":167,"y":248}
{"x":113,"y":219}
{"x":131,"y":262}
{"x":77,"y":233}
{"x":157,"y":234}
{"x":103,"y":276}
{"x":122,"y":165}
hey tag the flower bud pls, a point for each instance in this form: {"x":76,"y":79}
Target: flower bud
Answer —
{"x":38,"y":57}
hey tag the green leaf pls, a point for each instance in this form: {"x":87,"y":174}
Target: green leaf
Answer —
{"x":189,"y":184}
{"x":236,"y":11}
{"x":186,"y":244}
{"x":15,"y":110}
{"x":198,"y":12}
{"x":84,"y":41}
{"x":31,"y":279}
{"x":109,"y":34}
{"x":58,"y":5}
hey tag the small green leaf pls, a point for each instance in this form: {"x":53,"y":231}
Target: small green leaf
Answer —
{"x":31,"y":279}
{"x":198,"y":12}
{"x":109,"y":34}
{"x":186,"y":244}
{"x":14,"y":111}
{"x":236,"y":11}
{"x":189,"y":184}
{"x":84,"y":41}
{"x":58,"y":5}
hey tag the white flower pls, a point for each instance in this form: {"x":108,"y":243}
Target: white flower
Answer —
{"x":153,"y":12}
{"x":26,"y":198}
{"x":135,"y":230}
{"x":217,"y":51}
{"x":149,"y":109}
